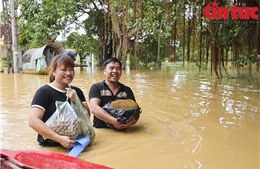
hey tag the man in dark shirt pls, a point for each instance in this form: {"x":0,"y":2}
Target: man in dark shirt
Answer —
{"x":108,"y":90}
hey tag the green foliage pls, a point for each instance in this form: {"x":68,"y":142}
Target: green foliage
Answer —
{"x":149,"y":48}
{"x":244,"y":61}
{"x":6,"y":60}
{"x":82,"y":43}
{"x":93,"y":25}
{"x":153,"y":21}
{"x":41,"y":21}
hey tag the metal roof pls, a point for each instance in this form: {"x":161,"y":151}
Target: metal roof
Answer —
{"x":36,"y":53}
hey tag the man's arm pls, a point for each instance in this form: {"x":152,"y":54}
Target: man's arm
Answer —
{"x":100,"y":113}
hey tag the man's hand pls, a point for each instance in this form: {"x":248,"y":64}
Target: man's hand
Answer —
{"x":123,"y":126}
{"x":118,"y":125}
{"x":132,"y":122}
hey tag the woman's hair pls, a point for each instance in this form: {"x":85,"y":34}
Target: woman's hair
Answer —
{"x":57,"y":61}
{"x":110,"y":60}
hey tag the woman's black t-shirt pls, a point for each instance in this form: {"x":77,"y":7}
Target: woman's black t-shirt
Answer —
{"x":45,"y":98}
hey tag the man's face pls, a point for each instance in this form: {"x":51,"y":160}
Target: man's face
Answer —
{"x":113,"y":72}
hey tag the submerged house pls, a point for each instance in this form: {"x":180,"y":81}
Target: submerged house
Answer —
{"x":38,"y":59}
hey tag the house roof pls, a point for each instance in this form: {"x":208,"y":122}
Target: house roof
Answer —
{"x":47,"y":50}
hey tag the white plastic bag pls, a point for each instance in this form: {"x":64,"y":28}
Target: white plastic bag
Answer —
{"x":71,"y":120}
{"x":86,"y":126}
{"x":64,"y":120}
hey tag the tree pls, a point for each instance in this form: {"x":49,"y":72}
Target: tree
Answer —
{"x":41,"y":21}
{"x":84,"y":44}
{"x":136,"y":28}
{"x":121,"y":27}
{"x":257,"y":44}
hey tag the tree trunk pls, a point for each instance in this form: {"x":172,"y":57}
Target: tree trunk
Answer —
{"x":194,"y":18}
{"x":215,"y":57}
{"x":158,"y":59}
{"x":189,"y":41}
{"x":200,"y":40}
{"x":257,"y":44}
{"x":174,"y":41}
{"x":236,"y":53}
{"x":121,"y":36}
{"x":207,"y":52}
{"x":184,"y":38}
{"x":133,"y":60}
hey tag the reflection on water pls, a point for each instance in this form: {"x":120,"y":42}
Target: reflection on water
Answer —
{"x":188,"y":120}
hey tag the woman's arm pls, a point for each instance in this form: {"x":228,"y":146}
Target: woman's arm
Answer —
{"x":40,"y":127}
{"x":71,"y":94}
{"x":85,"y":105}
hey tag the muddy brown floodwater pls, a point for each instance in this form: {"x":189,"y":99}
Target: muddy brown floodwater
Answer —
{"x":189,"y":120}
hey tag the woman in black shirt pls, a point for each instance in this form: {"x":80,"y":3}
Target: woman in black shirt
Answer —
{"x":61,"y":74}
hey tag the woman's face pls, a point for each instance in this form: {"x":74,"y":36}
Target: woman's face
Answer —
{"x":64,"y":75}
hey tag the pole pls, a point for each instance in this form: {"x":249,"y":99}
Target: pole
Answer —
{"x":7,"y":34}
{"x":14,"y":38}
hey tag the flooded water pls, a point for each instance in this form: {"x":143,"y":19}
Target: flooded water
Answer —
{"x":189,"y":120}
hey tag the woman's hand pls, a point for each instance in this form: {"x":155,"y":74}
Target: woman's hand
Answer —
{"x":66,"y":142}
{"x":71,"y":95}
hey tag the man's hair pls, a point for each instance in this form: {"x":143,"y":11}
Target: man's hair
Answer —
{"x":110,"y":60}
